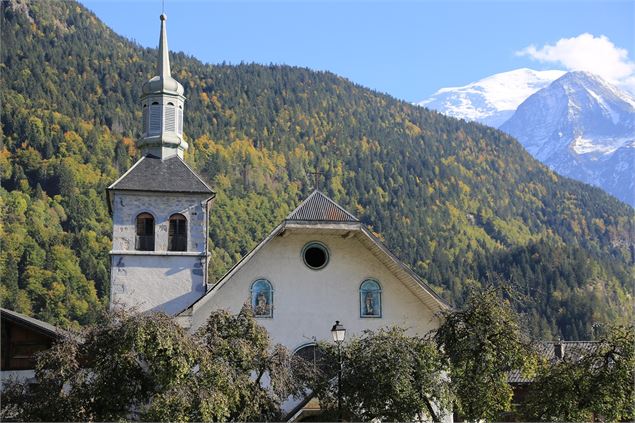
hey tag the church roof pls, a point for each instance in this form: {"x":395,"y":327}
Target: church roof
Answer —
{"x":153,"y":174}
{"x":318,"y":207}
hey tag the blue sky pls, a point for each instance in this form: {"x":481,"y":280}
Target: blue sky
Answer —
{"x":407,"y":49}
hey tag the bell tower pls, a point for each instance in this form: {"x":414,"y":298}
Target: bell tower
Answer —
{"x":159,"y":208}
{"x":162,"y":103}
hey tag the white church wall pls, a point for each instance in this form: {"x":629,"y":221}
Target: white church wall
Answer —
{"x":151,"y":280}
{"x":307,"y":302}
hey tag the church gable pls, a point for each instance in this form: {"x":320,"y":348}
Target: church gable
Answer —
{"x":360,"y":282}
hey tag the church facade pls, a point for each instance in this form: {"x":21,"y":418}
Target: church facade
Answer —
{"x":319,"y":265}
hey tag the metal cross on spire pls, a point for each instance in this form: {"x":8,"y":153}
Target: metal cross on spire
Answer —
{"x":316,"y":178}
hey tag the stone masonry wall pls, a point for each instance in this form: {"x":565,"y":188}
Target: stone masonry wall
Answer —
{"x":158,"y":280}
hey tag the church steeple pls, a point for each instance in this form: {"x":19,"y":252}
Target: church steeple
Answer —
{"x":162,"y":103}
{"x":163,"y":64}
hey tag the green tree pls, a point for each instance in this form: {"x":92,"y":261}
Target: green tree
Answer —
{"x":587,"y":385}
{"x":482,"y":343}
{"x":115,"y":370}
{"x":261,"y":373}
{"x":387,"y":375}
{"x":145,"y":366}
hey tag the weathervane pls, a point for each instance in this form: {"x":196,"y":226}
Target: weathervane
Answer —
{"x":316,"y":178}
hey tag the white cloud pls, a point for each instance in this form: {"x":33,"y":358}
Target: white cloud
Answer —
{"x":586,"y":52}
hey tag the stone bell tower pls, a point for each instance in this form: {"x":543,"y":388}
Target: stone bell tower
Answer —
{"x":159,"y":208}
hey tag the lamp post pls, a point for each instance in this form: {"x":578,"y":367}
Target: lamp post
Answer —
{"x":339,"y":333}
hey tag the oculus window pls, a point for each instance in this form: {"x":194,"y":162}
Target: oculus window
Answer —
{"x":262,"y":298}
{"x":145,"y":232}
{"x":315,"y":255}
{"x":370,"y":299}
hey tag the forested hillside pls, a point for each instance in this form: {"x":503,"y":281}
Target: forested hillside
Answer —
{"x":457,"y":201}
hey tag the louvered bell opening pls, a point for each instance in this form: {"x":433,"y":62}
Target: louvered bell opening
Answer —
{"x":180,"y":122}
{"x":169,"y":124}
{"x":155,"y":119}
{"x":145,"y":119}
{"x":177,"y":234}
{"x":145,"y":232}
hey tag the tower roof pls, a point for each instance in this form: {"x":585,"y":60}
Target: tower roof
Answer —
{"x":155,"y":175}
{"x":163,"y":81}
{"x":318,"y":207}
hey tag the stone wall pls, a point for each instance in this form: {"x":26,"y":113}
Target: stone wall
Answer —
{"x":127,"y":206}
{"x":159,"y":280}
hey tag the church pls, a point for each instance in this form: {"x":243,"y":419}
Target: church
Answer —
{"x":318,"y":266}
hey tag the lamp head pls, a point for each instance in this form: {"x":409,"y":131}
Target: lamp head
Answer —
{"x":338,"y":332}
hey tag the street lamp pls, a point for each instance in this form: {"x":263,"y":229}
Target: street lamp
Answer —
{"x":339,"y":333}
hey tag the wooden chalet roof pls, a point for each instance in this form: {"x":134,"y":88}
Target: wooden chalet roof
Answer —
{"x":39,"y":326}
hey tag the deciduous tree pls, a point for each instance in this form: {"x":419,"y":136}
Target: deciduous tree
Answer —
{"x":145,"y":366}
{"x":594,"y":384}
{"x":387,"y":375}
{"x":482,"y":343}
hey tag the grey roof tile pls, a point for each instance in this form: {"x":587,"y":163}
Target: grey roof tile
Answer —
{"x":151,"y":173}
{"x":318,"y":207}
{"x":545,"y":349}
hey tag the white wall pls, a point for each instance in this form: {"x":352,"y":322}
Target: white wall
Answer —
{"x":167,"y":283}
{"x":307,"y":302}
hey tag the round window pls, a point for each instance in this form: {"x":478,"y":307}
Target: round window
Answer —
{"x":315,"y":255}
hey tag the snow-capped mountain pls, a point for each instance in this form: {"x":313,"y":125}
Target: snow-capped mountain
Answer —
{"x":491,"y":100}
{"x":582,"y":127}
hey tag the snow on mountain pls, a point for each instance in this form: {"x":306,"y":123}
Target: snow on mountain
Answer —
{"x":491,"y":100}
{"x":582,"y":127}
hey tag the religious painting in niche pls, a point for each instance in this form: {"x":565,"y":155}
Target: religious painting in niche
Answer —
{"x":262,"y":298}
{"x":370,"y":299}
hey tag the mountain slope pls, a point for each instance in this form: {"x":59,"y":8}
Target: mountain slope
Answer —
{"x":491,"y":100}
{"x":456,"y":201}
{"x":584,"y":128}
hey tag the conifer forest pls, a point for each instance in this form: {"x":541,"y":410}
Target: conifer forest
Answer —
{"x":461,"y":203}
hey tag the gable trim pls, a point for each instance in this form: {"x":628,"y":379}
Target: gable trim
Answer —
{"x":398,"y":268}
{"x":440,"y":303}
{"x":235,"y":268}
